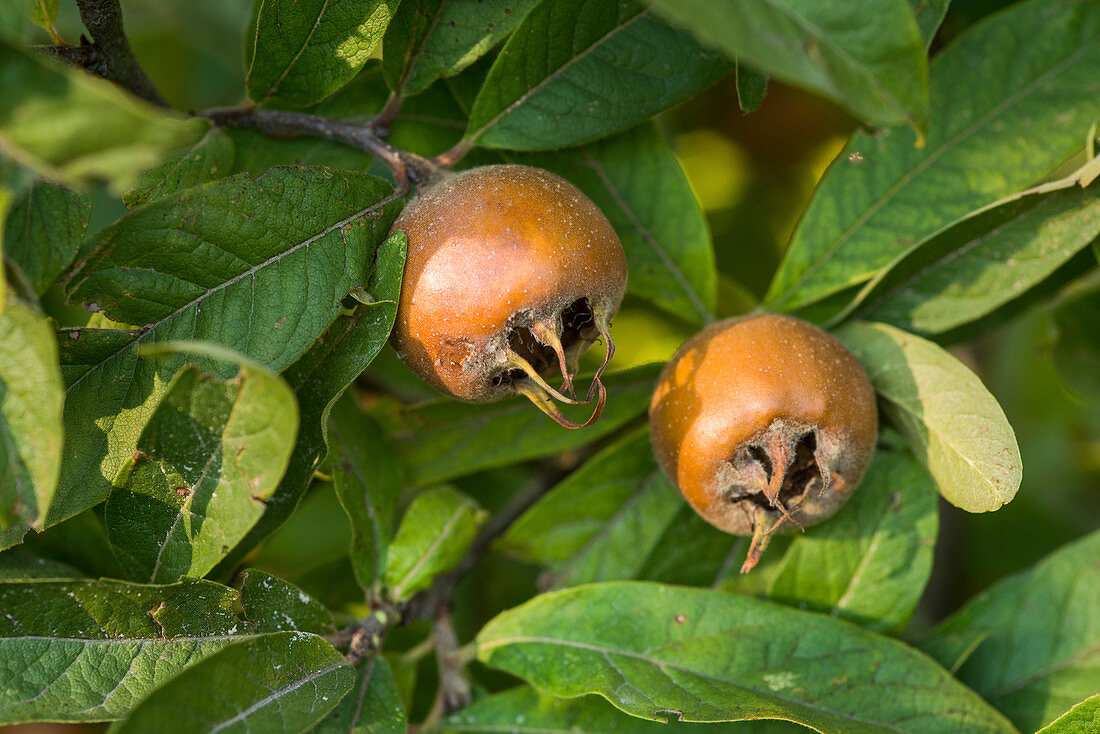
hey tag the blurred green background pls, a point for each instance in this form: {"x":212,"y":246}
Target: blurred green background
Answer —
{"x":753,"y":175}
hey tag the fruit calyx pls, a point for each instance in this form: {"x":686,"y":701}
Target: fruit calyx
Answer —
{"x":553,"y":344}
{"x":775,"y":473}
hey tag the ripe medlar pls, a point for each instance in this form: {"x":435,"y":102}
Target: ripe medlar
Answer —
{"x":763,"y":422}
{"x":511,"y":274}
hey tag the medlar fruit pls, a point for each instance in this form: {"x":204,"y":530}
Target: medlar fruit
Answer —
{"x":511,"y":274}
{"x":763,"y":422}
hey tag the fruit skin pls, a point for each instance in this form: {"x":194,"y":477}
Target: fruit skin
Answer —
{"x":753,"y":387}
{"x":492,"y":250}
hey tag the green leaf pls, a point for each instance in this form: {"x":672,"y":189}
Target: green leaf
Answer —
{"x":274,"y":605}
{"x":444,"y":439}
{"x":578,"y":70}
{"x":368,"y":480}
{"x":435,"y":533}
{"x":282,"y":682}
{"x":80,"y":542}
{"x":951,"y":422}
{"x":666,"y":652}
{"x":30,"y":420}
{"x":636,"y":180}
{"x":288,"y":247}
{"x":983,"y":262}
{"x":1084,"y":718}
{"x":870,"y":563}
{"x":751,"y":87}
{"x":95,"y":132}
{"x":320,"y":376}
{"x":428,"y":39}
{"x":307,"y":49}
{"x":602,"y":521}
{"x":208,"y":158}
{"x":1030,"y":644}
{"x":5,"y":204}
{"x":44,"y":14}
{"x":1028,"y":101}
{"x":89,"y":650}
{"x":22,"y":564}
{"x":44,"y":229}
{"x":373,"y":706}
{"x":523,"y":710}
{"x":1077,"y":350}
{"x":865,"y":54}
{"x":693,"y":552}
{"x":929,"y":17}
{"x":211,"y":454}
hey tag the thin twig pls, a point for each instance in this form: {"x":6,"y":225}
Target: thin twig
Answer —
{"x":382,"y":121}
{"x":368,"y":635}
{"x":83,"y":56}
{"x":453,"y":686}
{"x":455,"y":154}
{"x":112,"y":59}
{"x":406,"y":166}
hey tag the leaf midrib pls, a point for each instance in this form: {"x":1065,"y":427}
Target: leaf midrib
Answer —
{"x":910,"y":282}
{"x":648,"y":236}
{"x":872,"y":210}
{"x":663,"y":665}
{"x":939,"y":435}
{"x":273,"y":88}
{"x":429,"y":552}
{"x":414,"y":59}
{"x":821,"y":37}
{"x":275,"y":695}
{"x":198,"y":300}
{"x":554,"y":74}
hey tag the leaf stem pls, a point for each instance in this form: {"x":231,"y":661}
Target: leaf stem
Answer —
{"x":382,"y":121}
{"x":455,"y":154}
{"x":407,"y":167}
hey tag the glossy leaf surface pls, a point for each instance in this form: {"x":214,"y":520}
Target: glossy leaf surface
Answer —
{"x":663,"y":652}
{"x":1008,"y":107}
{"x":210,"y":455}
{"x":434,"y":534}
{"x":578,"y":70}
{"x":288,"y":248}
{"x":307,"y":49}
{"x":282,"y":683}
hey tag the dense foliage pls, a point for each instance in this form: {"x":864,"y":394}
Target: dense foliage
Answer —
{"x":226,"y":506}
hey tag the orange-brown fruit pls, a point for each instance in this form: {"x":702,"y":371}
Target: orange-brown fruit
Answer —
{"x":763,"y":422}
{"x":511,"y":274}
